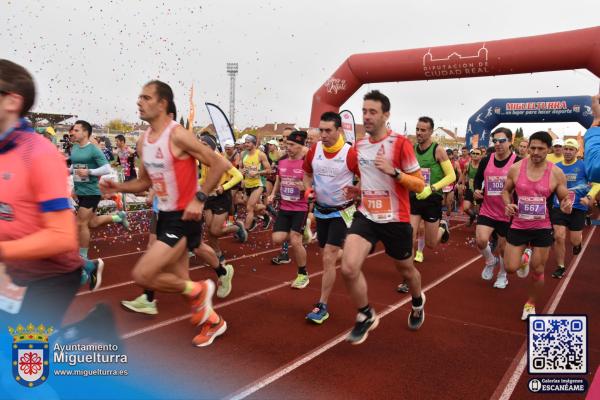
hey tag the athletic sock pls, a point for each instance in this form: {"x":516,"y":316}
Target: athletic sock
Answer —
{"x":149,"y":295}
{"x":220,"y":271}
{"x":213,"y":318}
{"x":421,"y":243}
{"x":116,"y":218}
{"x":366,"y":311}
{"x":189,"y":286}
{"x":285,"y":247}
{"x":302,"y":270}
{"x":487,"y":254}
{"x":501,"y":263}
{"x":417,"y":301}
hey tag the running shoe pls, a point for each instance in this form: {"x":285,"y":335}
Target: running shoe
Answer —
{"x":242,"y":234}
{"x":282,"y":258}
{"x":141,"y":305}
{"x":577,"y":249}
{"x":201,"y":301}
{"x":403,"y":288}
{"x":419,"y":256}
{"x":528,"y":309}
{"x":319,"y":314}
{"x":266,"y":221}
{"x":124,"y":220}
{"x":252,"y":225}
{"x":523,"y":270}
{"x":209,"y":332}
{"x":95,"y":276}
{"x":559,"y":272}
{"x":300,"y":282}
{"x":488,"y":271}
{"x":501,"y":281}
{"x":446,"y":234}
{"x":417,"y":315}
{"x":361,"y":329}
{"x":225,"y":282}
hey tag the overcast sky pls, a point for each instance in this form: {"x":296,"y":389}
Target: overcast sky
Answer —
{"x":91,"y":58}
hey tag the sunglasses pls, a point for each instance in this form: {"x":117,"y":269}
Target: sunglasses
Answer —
{"x":475,"y":153}
{"x":503,"y":140}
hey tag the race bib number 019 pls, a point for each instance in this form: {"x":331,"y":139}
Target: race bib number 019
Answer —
{"x":378,"y":204}
{"x":532,"y":208}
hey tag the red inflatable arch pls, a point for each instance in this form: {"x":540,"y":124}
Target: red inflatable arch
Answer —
{"x":552,"y":52}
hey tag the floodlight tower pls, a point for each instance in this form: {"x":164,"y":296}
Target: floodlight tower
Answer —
{"x":232,"y":70}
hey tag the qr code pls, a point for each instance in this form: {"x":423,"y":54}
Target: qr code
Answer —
{"x":557,"y":344}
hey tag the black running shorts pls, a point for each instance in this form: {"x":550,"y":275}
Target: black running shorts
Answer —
{"x":171,"y":228}
{"x":395,"y":236}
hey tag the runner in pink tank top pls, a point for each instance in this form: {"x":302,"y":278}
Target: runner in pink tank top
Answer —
{"x":491,"y":176}
{"x":533,"y":180}
{"x":532,"y":198}
{"x":293,"y":206}
{"x":168,"y":164}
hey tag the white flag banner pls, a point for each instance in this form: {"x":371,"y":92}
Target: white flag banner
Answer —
{"x":221,"y":124}
{"x":348,"y":126}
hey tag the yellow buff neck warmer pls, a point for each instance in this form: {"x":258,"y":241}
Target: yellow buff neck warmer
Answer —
{"x":336,"y":147}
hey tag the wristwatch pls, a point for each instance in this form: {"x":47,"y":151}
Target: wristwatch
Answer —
{"x":202,"y":197}
{"x":397,"y":173}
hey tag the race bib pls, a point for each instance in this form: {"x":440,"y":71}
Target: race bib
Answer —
{"x":11,"y":295}
{"x":471,"y":183}
{"x":426,"y":175}
{"x":290,"y":190}
{"x":347,"y":215}
{"x":495,"y":185}
{"x":532,"y":208}
{"x":378,"y":204}
{"x":77,"y":178}
{"x":159,"y":185}
{"x":572,"y":197}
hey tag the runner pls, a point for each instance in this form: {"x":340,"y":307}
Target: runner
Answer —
{"x":522,"y":148}
{"x":557,"y":151}
{"x":330,"y":166}
{"x":38,"y":233}
{"x":388,"y":170}
{"x":438,"y":172}
{"x":254,"y":166}
{"x":463,"y":161}
{"x":126,"y":158}
{"x":293,"y":207}
{"x":87,"y":165}
{"x":216,"y":210}
{"x":534,"y":180}
{"x":449,"y":190}
{"x":577,"y":183}
{"x":168,"y":154}
{"x":491,"y":175}
{"x":470,"y":206}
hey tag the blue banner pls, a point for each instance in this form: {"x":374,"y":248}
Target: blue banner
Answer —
{"x":526,"y":110}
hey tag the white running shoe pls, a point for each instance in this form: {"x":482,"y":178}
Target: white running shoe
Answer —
{"x":528,"y":309}
{"x":488,"y":271}
{"x":501,"y":281}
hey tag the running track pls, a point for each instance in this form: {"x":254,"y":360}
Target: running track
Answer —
{"x":470,"y":347}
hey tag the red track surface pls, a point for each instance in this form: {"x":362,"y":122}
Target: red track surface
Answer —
{"x":468,"y":348}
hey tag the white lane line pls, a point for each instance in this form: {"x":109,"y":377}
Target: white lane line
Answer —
{"x":283,"y":371}
{"x":116,"y":285}
{"x":518,"y":371}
